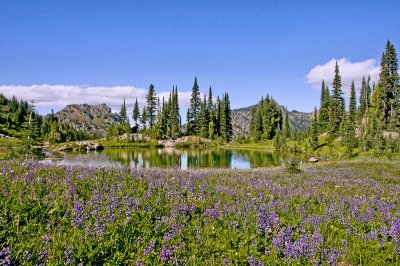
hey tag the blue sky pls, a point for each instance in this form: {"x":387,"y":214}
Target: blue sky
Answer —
{"x":247,"y":48}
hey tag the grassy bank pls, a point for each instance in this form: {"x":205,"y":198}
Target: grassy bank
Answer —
{"x":344,"y":213}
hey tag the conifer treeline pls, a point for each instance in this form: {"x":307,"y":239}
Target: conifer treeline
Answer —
{"x":161,"y":119}
{"x":266,"y":120}
{"x":378,"y":109}
{"x":20,"y":119}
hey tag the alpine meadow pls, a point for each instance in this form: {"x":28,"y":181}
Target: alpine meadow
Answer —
{"x":199,"y":133}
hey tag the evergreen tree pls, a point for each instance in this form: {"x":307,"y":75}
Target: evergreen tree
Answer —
{"x":314,"y":130}
{"x":152,"y":105}
{"x":364,"y":99}
{"x":351,"y":121}
{"x":203,"y":119}
{"x":266,"y":119}
{"x":136,"y":113}
{"x":124,"y":118}
{"x":228,"y":118}
{"x":286,"y":127}
{"x":174,"y":114}
{"x":352,"y":105}
{"x":337,"y":106}
{"x":143,"y":118}
{"x":193,"y":126}
{"x":389,"y":88}
{"x":211,"y":126}
{"x":323,"y":118}
{"x":223,"y":128}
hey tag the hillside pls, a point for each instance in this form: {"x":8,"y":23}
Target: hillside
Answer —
{"x":90,"y":118}
{"x":241,"y":121}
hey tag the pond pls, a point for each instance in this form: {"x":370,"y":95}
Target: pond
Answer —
{"x":193,"y":158}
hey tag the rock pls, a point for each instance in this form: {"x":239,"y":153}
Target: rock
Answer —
{"x":63,"y":148}
{"x":313,"y":160}
{"x":91,"y":118}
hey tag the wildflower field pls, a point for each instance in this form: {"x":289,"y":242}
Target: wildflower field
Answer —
{"x":344,"y":213}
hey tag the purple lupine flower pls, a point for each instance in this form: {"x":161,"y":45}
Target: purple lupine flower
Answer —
{"x":225,"y":262}
{"x":5,"y":256}
{"x":44,"y":254}
{"x":165,"y":253}
{"x":69,"y":256}
{"x":78,"y":218}
{"x":149,"y":248}
{"x":395,"y":233}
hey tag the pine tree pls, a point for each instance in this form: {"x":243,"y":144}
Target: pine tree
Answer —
{"x":353,"y":105}
{"x":194,"y":110}
{"x":203,"y":119}
{"x":122,"y":113}
{"x":351,"y":120}
{"x":124,"y":118}
{"x":228,"y":118}
{"x":364,"y":99}
{"x":286,"y":127}
{"x":136,"y":113}
{"x":389,"y":88}
{"x":314,"y":130}
{"x":152,"y":105}
{"x":143,"y":118}
{"x":323,"y":118}
{"x":211,"y":126}
{"x":337,"y":107}
{"x":174,"y":114}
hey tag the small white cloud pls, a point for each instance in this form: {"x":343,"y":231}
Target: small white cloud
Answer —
{"x":350,"y":71}
{"x":58,"y":96}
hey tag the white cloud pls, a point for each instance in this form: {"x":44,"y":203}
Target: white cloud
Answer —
{"x":58,"y":96}
{"x":350,"y":71}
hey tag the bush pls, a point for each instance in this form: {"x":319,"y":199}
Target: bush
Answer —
{"x":292,"y":165}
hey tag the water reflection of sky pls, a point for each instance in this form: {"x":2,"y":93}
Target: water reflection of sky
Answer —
{"x":239,"y":163}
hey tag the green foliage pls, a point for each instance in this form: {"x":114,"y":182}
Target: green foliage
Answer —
{"x":323,"y":118}
{"x":136,"y":114}
{"x":151,"y":111}
{"x":122,"y":216}
{"x":292,"y":165}
{"x":337,"y":105}
{"x":193,"y":114}
{"x":266,"y":119}
{"x":314,"y":131}
{"x":286,"y":127}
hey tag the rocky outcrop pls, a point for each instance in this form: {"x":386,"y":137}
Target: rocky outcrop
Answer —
{"x":81,"y":146}
{"x":90,"y":118}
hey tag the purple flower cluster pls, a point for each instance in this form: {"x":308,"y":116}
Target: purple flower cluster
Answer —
{"x":5,"y":256}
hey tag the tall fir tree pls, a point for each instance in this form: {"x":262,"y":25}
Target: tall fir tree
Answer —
{"x":174,"y":114}
{"x":136,"y":113}
{"x":152,"y":105}
{"x":286,"y":126}
{"x":314,"y":130}
{"x":143,"y":118}
{"x":203,"y":119}
{"x":228,"y":118}
{"x":193,"y":126}
{"x":364,"y":99}
{"x":323,"y":118}
{"x":337,"y":105}
{"x":351,"y":122}
{"x":125,"y":125}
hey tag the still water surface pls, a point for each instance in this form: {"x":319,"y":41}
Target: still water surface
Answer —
{"x":178,"y":157}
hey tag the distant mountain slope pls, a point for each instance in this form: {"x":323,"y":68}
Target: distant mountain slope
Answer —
{"x":91,"y":118}
{"x":241,"y":121}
